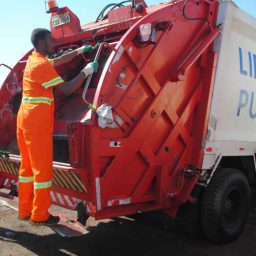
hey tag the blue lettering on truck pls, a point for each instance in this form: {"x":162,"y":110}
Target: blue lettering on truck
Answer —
{"x":247,"y":63}
{"x":243,"y":101}
{"x":247,"y":98}
{"x":242,"y":71}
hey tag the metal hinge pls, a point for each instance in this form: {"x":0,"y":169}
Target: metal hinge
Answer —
{"x":191,"y":171}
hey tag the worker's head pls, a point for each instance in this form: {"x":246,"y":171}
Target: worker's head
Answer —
{"x":42,"y":41}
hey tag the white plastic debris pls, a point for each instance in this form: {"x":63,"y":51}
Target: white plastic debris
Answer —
{"x":106,"y":118}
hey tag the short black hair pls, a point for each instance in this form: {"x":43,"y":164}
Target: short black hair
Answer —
{"x":37,"y":34}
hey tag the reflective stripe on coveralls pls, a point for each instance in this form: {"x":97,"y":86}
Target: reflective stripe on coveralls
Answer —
{"x":42,"y":185}
{"x":53,"y":82}
{"x":26,"y":179}
{"x":45,"y":100}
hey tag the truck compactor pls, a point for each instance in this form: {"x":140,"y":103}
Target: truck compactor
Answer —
{"x":167,"y":123}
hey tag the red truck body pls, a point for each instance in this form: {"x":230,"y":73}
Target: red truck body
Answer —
{"x":159,"y":91}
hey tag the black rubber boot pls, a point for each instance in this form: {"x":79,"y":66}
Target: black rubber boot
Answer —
{"x":50,"y":221}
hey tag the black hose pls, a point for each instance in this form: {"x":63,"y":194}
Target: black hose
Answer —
{"x":124,"y":2}
{"x":103,"y":10}
{"x":101,"y":16}
{"x":117,"y":5}
{"x":191,"y":18}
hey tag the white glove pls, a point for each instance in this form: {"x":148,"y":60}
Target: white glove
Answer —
{"x":90,"y":68}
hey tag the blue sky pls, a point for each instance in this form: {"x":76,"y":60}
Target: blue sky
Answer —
{"x":20,"y":17}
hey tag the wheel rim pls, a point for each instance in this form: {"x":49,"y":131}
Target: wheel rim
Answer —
{"x":232,"y":208}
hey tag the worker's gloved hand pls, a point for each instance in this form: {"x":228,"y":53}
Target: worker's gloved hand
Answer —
{"x":83,"y":49}
{"x":90,"y":68}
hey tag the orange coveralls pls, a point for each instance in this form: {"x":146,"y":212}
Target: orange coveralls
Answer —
{"x":34,"y":135}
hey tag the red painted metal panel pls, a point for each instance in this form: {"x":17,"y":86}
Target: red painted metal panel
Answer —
{"x":162,"y":112}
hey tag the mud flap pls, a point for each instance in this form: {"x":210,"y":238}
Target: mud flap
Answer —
{"x":65,"y":228}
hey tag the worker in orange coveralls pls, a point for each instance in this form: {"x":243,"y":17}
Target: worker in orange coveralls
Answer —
{"x":35,"y":125}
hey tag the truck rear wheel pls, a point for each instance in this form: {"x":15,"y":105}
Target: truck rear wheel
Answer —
{"x":225,"y":206}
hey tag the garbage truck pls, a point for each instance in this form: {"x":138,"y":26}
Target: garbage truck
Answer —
{"x":167,"y":121}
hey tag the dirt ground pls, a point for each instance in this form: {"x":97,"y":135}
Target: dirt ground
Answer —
{"x":149,"y":235}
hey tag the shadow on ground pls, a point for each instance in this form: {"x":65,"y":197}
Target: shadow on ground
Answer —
{"x":149,"y":235}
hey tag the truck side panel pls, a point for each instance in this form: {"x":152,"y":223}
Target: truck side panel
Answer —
{"x":232,"y":126}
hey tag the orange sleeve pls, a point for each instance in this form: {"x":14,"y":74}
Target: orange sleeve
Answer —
{"x":48,"y":76}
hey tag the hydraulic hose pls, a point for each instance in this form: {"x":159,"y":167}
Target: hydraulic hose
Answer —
{"x":101,"y":16}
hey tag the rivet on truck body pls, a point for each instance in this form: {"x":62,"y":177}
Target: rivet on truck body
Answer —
{"x":153,"y":113}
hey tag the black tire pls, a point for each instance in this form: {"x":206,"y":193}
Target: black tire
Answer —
{"x":225,"y":206}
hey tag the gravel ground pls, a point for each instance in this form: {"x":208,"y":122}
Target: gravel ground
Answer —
{"x":149,"y":235}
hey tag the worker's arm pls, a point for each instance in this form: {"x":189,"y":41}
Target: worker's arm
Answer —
{"x":71,"y":86}
{"x":70,"y":55}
